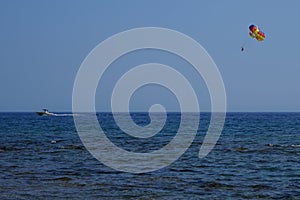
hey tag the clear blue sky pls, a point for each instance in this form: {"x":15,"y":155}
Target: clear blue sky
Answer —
{"x":43,"y":44}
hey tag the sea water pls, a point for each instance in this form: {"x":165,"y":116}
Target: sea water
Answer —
{"x":256,"y":157}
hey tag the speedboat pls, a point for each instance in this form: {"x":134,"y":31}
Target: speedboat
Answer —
{"x":46,"y":113}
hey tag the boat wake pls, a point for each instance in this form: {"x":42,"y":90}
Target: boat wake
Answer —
{"x":65,"y":114}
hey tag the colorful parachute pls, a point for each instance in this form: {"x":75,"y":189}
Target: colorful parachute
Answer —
{"x":256,"y":33}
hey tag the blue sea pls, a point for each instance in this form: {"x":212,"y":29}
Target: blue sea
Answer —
{"x":256,"y":157}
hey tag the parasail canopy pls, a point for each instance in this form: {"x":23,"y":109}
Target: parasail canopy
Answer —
{"x":256,"y":33}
